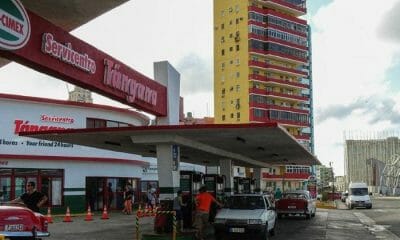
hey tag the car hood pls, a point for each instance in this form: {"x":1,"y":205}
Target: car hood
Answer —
{"x":239,"y":213}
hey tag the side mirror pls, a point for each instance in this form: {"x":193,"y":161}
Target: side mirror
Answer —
{"x":271,"y":208}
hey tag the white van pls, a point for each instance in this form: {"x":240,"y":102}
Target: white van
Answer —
{"x":358,"y":196}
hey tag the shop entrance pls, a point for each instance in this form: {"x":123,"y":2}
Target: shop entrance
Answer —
{"x":108,"y":191}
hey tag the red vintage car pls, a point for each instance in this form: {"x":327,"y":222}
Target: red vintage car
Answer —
{"x":296,"y":202}
{"x":18,"y":222}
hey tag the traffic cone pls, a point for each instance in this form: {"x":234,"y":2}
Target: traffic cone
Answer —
{"x":105,"y":214}
{"x":146,"y":211}
{"x":139,"y":211}
{"x":89,"y":215}
{"x":154,"y":213}
{"x":48,"y":216}
{"x":67,"y":217}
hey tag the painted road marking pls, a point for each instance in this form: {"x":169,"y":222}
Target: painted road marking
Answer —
{"x":380,"y":231}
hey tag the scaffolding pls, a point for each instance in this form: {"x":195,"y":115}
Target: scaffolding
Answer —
{"x":389,"y":182}
{"x":371,"y":158}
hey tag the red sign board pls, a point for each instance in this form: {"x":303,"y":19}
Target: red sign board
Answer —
{"x":55,"y":52}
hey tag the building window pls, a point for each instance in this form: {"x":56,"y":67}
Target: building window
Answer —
{"x":230,"y":49}
{"x":231,"y":115}
{"x":223,"y":52}
{"x":222,"y":39}
{"x":238,"y":115}
{"x":237,"y":74}
{"x":222,"y":26}
{"x":102,"y":123}
{"x":223,"y":117}
{"x":237,"y":47}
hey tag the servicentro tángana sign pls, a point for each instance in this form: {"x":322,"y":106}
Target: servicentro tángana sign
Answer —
{"x":33,"y":41}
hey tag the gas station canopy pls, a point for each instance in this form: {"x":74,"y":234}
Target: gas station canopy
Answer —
{"x":248,"y":145}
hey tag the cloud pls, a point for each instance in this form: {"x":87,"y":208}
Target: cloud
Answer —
{"x":351,"y":64}
{"x":196,"y":74}
{"x":374,"y":109}
{"x":389,"y":28}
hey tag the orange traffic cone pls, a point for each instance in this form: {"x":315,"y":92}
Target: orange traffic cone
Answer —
{"x":67,"y":217}
{"x":139,"y":211}
{"x":105,"y":214}
{"x":154,"y":213}
{"x":48,"y":216}
{"x":146,"y":210}
{"x":89,"y":215}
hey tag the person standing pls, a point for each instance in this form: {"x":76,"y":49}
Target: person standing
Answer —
{"x":178,"y":204}
{"x":110,"y":195}
{"x":128,"y":197}
{"x":32,"y":198}
{"x":203,"y":204}
{"x":278,"y":194}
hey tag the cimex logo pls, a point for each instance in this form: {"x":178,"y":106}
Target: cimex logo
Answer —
{"x":15,"y":28}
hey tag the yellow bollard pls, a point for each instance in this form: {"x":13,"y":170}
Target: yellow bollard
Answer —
{"x":137,"y":225}
{"x":173,"y":225}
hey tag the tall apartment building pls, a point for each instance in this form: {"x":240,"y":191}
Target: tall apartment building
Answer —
{"x":262,"y":65}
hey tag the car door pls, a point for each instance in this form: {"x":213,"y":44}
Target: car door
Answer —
{"x":270,"y":214}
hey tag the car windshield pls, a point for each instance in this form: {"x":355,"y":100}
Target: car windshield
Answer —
{"x":359,"y":191}
{"x":245,"y":202}
{"x":294,"y":196}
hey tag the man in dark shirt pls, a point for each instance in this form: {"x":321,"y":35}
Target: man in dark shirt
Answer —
{"x":32,"y":198}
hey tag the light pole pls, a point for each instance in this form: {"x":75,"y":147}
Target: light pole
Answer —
{"x":333,"y":182}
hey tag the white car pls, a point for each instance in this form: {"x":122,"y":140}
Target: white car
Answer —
{"x":246,"y":214}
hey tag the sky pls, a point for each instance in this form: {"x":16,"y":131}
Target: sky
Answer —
{"x":356,"y":62}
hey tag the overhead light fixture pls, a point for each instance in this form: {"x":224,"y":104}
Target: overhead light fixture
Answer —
{"x":112,"y":143}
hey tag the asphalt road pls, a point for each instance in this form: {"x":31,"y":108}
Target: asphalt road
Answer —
{"x":380,"y":222}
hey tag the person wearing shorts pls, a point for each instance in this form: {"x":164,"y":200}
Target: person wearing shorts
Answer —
{"x":203,"y":204}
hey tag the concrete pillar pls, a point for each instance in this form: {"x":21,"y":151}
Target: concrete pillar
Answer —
{"x":168,"y":170}
{"x":168,"y":155}
{"x":227,"y":171}
{"x":259,"y":183}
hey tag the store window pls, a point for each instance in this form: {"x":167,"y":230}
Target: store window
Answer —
{"x":13,"y":183}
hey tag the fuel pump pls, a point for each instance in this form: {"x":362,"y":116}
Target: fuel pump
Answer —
{"x":215,"y":185}
{"x":246,"y":182}
{"x":238,"y":185}
{"x":190,"y":182}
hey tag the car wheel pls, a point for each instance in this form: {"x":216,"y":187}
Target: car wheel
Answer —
{"x":313,"y":214}
{"x":308,"y":216}
{"x":272,"y":231}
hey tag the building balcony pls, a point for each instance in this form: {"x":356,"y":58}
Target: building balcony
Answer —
{"x":286,"y":96}
{"x":303,"y":136}
{"x":278,"y":82}
{"x":292,"y":7}
{"x":277,"y":41}
{"x":277,"y":69}
{"x":278,"y":56}
{"x":277,"y":107}
{"x":290,"y":123}
{"x":286,"y":176}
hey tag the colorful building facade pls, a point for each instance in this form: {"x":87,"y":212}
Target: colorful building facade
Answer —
{"x":262,"y":70}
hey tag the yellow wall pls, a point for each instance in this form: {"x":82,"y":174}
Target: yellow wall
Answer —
{"x":228,"y":12}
